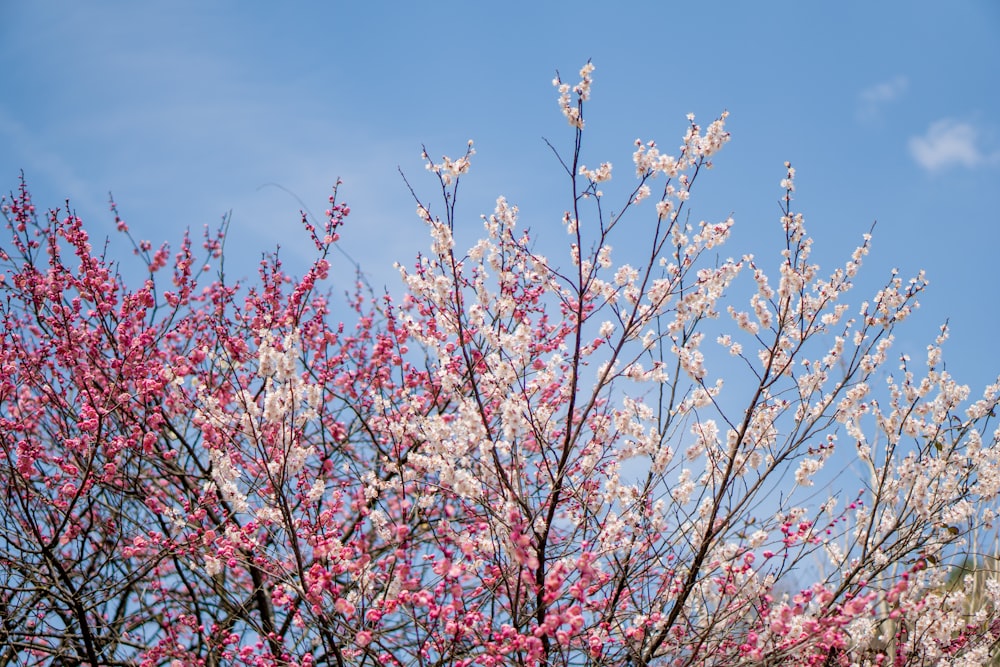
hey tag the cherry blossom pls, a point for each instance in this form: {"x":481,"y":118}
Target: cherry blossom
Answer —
{"x":590,"y":457}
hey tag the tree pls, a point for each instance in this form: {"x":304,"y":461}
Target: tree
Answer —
{"x":522,"y":461}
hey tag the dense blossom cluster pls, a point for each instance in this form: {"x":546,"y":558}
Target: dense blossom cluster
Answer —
{"x":594,"y":459}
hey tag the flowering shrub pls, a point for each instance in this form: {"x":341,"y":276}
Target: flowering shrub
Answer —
{"x":523,"y":460}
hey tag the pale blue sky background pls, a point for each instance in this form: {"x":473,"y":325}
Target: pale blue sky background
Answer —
{"x":889,"y":111}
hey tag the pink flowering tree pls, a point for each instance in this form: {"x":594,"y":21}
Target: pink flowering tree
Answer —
{"x":582,"y":459}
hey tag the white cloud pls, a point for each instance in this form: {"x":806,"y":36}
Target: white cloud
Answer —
{"x":949,"y":143}
{"x":872,"y":99}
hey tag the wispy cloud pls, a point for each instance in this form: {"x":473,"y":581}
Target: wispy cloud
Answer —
{"x":871,"y":100}
{"x":950,"y":143}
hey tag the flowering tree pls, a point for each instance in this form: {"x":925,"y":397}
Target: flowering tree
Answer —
{"x":522,"y":461}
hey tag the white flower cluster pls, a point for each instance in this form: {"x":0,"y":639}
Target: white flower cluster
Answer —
{"x":227,"y":476}
{"x":582,"y":91}
{"x":263,"y":450}
{"x":449,"y":170}
{"x":537,"y":408}
{"x":599,"y":175}
{"x":285,"y":393}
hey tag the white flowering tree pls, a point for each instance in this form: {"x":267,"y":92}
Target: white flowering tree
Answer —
{"x":522,"y":461}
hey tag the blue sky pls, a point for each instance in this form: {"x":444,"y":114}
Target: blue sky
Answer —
{"x":188,"y":110}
